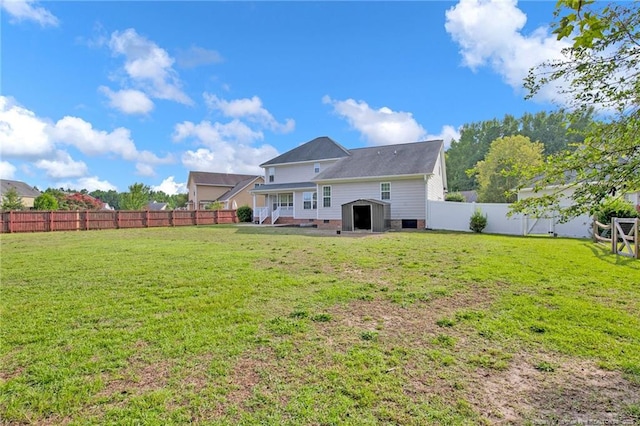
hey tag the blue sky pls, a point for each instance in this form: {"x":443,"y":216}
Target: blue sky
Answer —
{"x":100,"y":95}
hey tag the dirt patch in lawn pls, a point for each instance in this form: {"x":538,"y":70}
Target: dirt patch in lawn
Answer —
{"x":576,"y":392}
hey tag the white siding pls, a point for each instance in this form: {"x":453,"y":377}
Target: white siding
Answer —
{"x":299,"y":172}
{"x":436,"y":182}
{"x":407,"y":197}
{"x":298,"y":206}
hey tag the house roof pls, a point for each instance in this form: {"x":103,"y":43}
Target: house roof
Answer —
{"x":322,"y":148}
{"x":218,"y":179}
{"x":237,"y":188}
{"x":22,"y":188}
{"x":388,"y":160}
{"x":153,"y":206}
{"x":284,"y":186}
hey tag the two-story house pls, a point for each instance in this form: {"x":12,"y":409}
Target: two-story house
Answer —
{"x":324,"y":184}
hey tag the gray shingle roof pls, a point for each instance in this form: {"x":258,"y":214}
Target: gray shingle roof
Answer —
{"x":218,"y":179}
{"x":237,"y":188}
{"x":22,"y":188}
{"x":321,"y":148}
{"x":388,"y":160}
{"x":285,"y":186}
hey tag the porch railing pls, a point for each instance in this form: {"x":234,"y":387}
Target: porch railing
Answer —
{"x":263,"y":213}
{"x":275,"y":215}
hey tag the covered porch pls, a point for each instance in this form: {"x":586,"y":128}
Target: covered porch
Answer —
{"x":279,"y":201}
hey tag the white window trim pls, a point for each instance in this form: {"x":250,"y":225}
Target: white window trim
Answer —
{"x":383,"y":191}
{"x":313,"y":201}
{"x":324,"y":196}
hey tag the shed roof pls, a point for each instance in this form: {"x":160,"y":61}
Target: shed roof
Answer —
{"x":388,"y":160}
{"x":23,"y":189}
{"x":321,"y":148}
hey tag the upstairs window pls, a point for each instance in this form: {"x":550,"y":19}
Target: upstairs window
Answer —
{"x":309,"y":200}
{"x":385,"y":191}
{"x":272,"y":174}
{"x":316,"y":168}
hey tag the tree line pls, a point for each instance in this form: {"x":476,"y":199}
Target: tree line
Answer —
{"x":136,"y":198}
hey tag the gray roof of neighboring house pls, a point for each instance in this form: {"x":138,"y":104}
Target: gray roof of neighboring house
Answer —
{"x":280,"y":186}
{"x":388,"y":160}
{"x":219,"y":179}
{"x":239,"y":187}
{"x":470,"y":196}
{"x":153,"y":206}
{"x":22,"y":188}
{"x":322,"y":148}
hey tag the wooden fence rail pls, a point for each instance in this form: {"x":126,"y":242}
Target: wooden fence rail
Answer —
{"x":48,"y":221}
{"x":622,"y":234}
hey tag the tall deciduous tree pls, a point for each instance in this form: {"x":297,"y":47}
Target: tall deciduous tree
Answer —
{"x":601,"y":70}
{"x":505,"y":167}
{"x":137,"y":198}
{"x":11,"y":200}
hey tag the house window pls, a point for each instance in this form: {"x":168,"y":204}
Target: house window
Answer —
{"x":272,"y":174}
{"x":309,"y":200}
{"x":286,"y":200}
{"x":316,"y":168}
{"x":326,"y":196}
{"x":385,"y":191}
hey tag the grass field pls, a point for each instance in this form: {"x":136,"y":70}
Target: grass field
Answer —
{"x":249,"y":325}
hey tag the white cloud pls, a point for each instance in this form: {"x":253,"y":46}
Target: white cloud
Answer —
{"x":22,"y":133}
{"x":7,"y":170}
{"x":378,"y":126}
{"x":447,"y":134}
{"x":490,"y":32}
{"x":144,"y":169}
{"x":170,"y":186}
{"x":26,"y":10}
{"x":196,"y":56}
{"x":62,"y":166}
{"x":128,"y":101}
{"x":92,"y":183}
{"x":26,"y":136}
{"x":209,"y":134}
{"x":250,"y":109}
{"x":149,"y":67}
{"x":228,"y":158}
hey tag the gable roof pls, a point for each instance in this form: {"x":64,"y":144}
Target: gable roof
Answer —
{"x":322,"y":148}
{"x":388,"y":160}
{"x":237,"y":188}
{"x":22,"y":188}
{"x":218,"y":179}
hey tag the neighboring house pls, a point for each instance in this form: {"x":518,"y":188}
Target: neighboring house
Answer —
{"x":26,"y":192}
{"x":324,"y":184}
{"x":565,"y":193}
{"x":154,"y":207}
{"x":232,"y":190}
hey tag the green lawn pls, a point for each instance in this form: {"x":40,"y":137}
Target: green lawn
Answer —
{"x":248,"y":325}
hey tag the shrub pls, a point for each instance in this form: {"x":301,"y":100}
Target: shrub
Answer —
{"x":455,"y":196}
{"x":45,"y":201}
{"x":245,"y":214}
{"x":216,"y":205}
{"x":614,"y":207}
{"x":478,"y":221}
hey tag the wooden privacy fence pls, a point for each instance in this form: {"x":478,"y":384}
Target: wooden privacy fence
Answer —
{"x":622,"y":234}
{"x":47,"y":221}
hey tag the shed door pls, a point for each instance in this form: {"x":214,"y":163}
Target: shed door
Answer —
{"x":361,"y":218}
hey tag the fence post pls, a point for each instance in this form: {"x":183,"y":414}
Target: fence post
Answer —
{"x":10,"y":221}
{"x":146,"y":218}
{"x":171,"y":223}
{"x":636,"y":223}
{"x":614,"y":236}
{"x":117,"y":219}
{"x":50,"y":220}
{"x":86,"y":220}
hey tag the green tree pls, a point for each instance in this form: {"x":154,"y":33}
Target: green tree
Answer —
{"x":110,"y":197}
{"x":11,"y":200}
{"x":600,"y":70}
{"x":137,"y":198}
{"x":505,"y":167}
{"x":46,"y":201}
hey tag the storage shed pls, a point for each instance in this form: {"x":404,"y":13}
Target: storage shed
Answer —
{"x":366,"y":215}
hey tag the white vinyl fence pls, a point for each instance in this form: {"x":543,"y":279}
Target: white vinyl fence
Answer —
{"x":452,"y":216}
